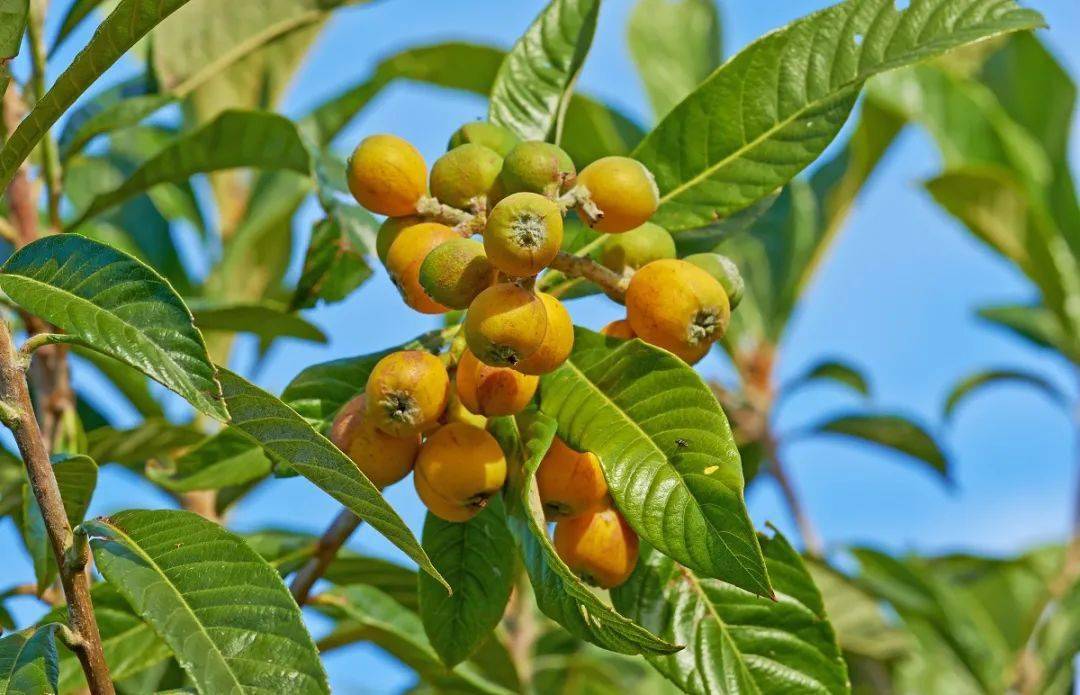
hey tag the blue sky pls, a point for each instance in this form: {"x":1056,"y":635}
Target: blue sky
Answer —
{"x":896,"y":295}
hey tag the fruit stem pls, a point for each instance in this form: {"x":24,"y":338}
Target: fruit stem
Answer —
{"x":584,"y":267}
{"x":326,"y":550}
{"x":463,"y":222}
{"x":578,"y":197}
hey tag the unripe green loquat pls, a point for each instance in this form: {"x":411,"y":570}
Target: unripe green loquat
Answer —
{"x":505,"y":324}
{"x":523,"y":234}
{"x":537,"y":167}
{"x":464,"y":174}
{"x":483,"y":133}
{"x":725,"y":271}
{"x":454,"y":272}
{"x":387,"y":175}
{"x":623,"y":189}
{"x":633,"y":249}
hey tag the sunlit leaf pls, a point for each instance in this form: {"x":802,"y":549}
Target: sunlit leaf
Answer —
{"x":153,"y":438}
{"x":772,"y":109}
{"x":226,"y":614}
{"x":532,"y":88}
{"x":334,"y":265}
{"x":115,"y":304}
{"x":266,"y":320}
{"x":1035,"y":324}
{"x":666,"y":449}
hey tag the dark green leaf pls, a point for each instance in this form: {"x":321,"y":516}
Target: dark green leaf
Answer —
{"x":675,"y":45}
{"x":628,"y":403}
{"x":1036,"y":324}
{"x":76,"y":476}
{"x":532,"y":88}
{"x":773,"y":108}
{"x":284,"y":435}
{"x":129,"y":22}
{"x":334,"y":266}
{"x":393,"y":580}
{"x":120,"y":115}
{"x":226,"y":614}
{"x":893,"y":432}
{"x":233,"y":139}
{"x":115,"y":304}
{"x":12,"y":25}
{"x":227,"y":458}
{"x":560,"y":594}
{"x":477,"y":559}
{"x":28,"y":661}
{"x":76,"y":13}
{"x":737,"y":642}
{"x":592,"y":130}
{"x":267,"y":321}
{"x":154,"y":438}
{"x":134,"y":386}
{"x":832,"y":370}
{"x":858,"y":618}
{"x":966,"y":387}
{"x":1057,"y":642}
{"x":400,"y":632}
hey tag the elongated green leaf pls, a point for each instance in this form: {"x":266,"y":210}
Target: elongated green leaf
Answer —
{"x":773,"y":108}
{"x":893,"y":432}
{"x":395,"y":581}
{"x":266,"y":320}
{"x":835,"y":371}
{"x":129,"y":22}
{"x":334,"y":266}
{"x":400,"y":632}
{"x":1058,"y":643}
{"x":969,"y":385}
{"x":134,"y":386}
{"x":153,"y":438}
{"x":130,"y":645}
{"x":233,"y":139}
{"x":127,"y":112}
{"x":592,"y":130}
{"x":560,"y":594}
{"x":226,"y":614}
{"x":12,"y":479}
{"x":227,"y":458}
{"x":113,"y":303}
{"x":628,"y":403}
{"x":12,"y":24}
{"x":532,"y":89}
{"x":76,"y":13}
{"x":858,"y":618}
{"x":1036,"y":324}
{"x":28,"y":661}
{"x":76,"y":476}
{"x":675,"y":44}
{"x":737,"y":642}
{"x":285,"y":436}
{"x":477,"y":558}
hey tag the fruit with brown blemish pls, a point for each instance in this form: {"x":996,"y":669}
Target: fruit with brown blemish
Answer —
{"x":600,"y":547}
{"x":463,"y":177}
{"x":384,"y":459}
{"x":557,"y":343}
{"x":523,"y":234}
{"x":492,"y":391}
{"x":407,"y":392}
{"x":458,"y":470}
{"x":623,"y":189}
{"x":387,"y":175}
{"x":570,"y":482}
{"x":505,"y":324}
{"x":454,"y":272}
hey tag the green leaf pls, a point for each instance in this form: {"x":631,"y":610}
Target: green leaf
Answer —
{"x":400,"y":632}
{"x":772,"y":109}
{"x":121,"y":114}
{"x":76,"y":476}
{"x":738,"y":642}
{"x":832,"y":370}
{"x":397,"y":582}
{"x":111,"y":302}
{"x":76,"y":13}
{"x":1057,"y":642}
{"x":560,"y":594}
{"x":233,"y":139}
{"x":14,"y":13}
{"x":266,"y":320}
{"x":334,"y":265}
{"x":967,"y":386}
{"x":893,"y":432}
{"x":130,"y":645}
{"x":28,"y":661}
{"x":532,"y":88}
{"x":478,"y":560}
{"x":129,"y":22}
{"x":285,"y":436}
{"x":675,"y":44}
{"x":226,"y":614}
{"x":858,"y":618}
{"x":224,"y":459}
{"x":134,"y":386}
{"x":1036,"y":324}
{"x":628,"y":403}
{"x":592,"y":130}
{"x":153,"y":438}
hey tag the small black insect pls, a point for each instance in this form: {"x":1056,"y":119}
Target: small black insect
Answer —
{"x":681,"y":443}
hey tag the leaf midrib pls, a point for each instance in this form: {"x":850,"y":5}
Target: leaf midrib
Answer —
{"x":704,"y":598}
{"x":717,"y":533}
{"x":130,"y":542}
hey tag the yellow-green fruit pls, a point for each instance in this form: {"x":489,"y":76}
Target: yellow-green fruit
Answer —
{"x":465,"y":173}
{"x":459,"y":468}
{"x":523,"y":233}
{"x":407,"y":392}
{"x":537,"y":167}
{"x":623,"y":189}
{"x":492,"y":391}
{"x":454,"y":272}
{"x":406,"y":256}
{"x":725,"y":271}
{"x":633,"y":249}
{"x":387,"y":175}
{"x":677,"y":306}
{"x":382,"y":458}
{"x":390,"y":230}
{"x":487,"y":134}
{"x":505,"y":324}
{"x":557,"y":343}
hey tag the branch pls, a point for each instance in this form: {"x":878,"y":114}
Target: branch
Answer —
{"x":335,"y":536}
{"x":585,"y":267}
{"x":14,"y":392}
{"x":811,"y":540}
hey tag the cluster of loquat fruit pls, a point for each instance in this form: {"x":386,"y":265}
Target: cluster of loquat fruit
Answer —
{"x":427,"y":414}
